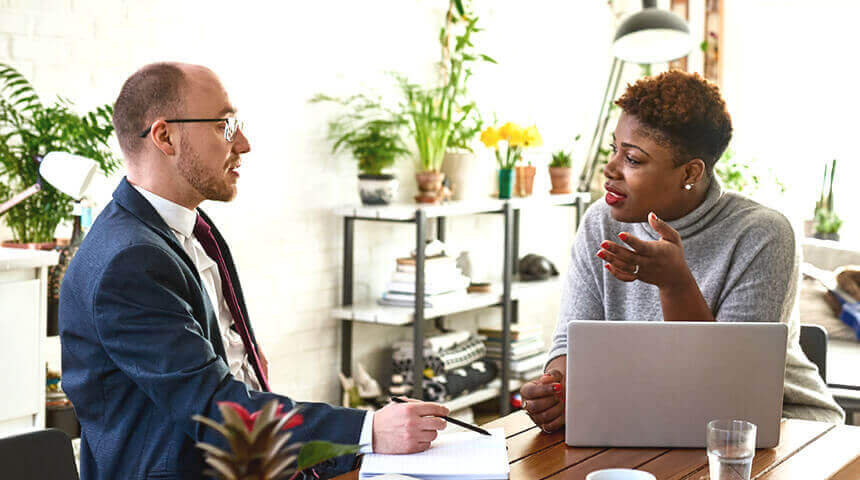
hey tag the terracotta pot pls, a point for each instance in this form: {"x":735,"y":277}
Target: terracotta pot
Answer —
{"x":30,"y":246}
{"x":429,"y":186}
{"x":525,"y":180}
{"x":560,"y":178}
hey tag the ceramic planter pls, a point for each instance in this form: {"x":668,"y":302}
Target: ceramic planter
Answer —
{"x":560,"y":178}
{"x":467,"y":175}
{"x":525,"y":180}
{"x":377,"y":189}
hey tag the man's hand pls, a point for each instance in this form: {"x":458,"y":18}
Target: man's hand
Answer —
{"x":543,"y":400}
{"x":407,"y":427}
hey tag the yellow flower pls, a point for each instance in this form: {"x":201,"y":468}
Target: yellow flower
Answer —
{"x":513,"y":133}
{"x":532,"y":137}
{"x":490,"y":137}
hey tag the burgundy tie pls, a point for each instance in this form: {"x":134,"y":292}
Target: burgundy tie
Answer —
{"x":204,"y":235}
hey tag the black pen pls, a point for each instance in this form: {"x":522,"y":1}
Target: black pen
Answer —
{"x":449,"y":419}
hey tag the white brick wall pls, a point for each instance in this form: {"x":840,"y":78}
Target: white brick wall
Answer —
{"x":272,"y":59}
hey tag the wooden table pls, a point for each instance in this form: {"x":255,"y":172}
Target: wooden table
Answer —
{"x":806,"y":451}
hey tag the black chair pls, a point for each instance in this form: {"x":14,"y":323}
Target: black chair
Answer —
{"x":813,"y":342}
{"x":40,"y":455}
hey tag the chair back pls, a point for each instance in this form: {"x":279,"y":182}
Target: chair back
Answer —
{"x":40,"y":455}
{"x":813,"y":342}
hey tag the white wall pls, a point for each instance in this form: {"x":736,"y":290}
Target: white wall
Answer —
{"x":272,"y":58}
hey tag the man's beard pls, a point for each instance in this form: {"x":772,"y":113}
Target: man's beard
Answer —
{"x":211,"y":185}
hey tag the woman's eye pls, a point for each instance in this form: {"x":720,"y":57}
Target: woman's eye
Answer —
{"x":632,"y":161}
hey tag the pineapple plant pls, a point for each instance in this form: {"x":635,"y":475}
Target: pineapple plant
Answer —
{"x":259,"y":444}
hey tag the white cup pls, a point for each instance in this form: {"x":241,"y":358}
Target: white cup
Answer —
{"x":619,"y":474}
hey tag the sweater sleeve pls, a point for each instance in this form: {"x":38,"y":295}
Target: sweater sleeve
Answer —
{"x":582,"y":291}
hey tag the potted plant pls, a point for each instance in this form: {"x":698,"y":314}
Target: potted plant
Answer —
{"x":29,"y":130}
{"x":260,"y":447}
{"x":373,"y":134}
{"x":826,"y":223}
{"x":511,"y":138}
{"x":559,"y":171}
{"x":438,"y":115}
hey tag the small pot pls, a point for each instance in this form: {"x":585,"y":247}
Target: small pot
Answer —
{"x":525,"y":180}
{"x":560,"y":178}
{"x":30,"y":246}
{"x":465,"y":173}
{"x":429,"y":186}
{"x":826,"y":236}
{"x":377,"y":189}
{"x":506,"y":182}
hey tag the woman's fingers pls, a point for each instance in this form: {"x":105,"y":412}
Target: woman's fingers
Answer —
{"x":533,"y":390}
{"x":553,"y":425}
{"x":549,"y":415}
{"x":540,"y":405}
{"x":638,"y":246}
{"x":623,"y":254}
{"x":622,"y":275}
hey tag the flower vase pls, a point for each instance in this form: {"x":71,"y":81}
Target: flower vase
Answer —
{"x":506,"y":182}
{"x":525,"y":180}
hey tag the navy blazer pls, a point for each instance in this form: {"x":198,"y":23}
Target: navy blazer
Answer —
{"x":142,"y":353}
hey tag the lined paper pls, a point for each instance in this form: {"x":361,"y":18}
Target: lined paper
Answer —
{"x":452,"y":455}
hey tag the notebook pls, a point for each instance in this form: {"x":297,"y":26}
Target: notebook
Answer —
{"x":466,"y":455}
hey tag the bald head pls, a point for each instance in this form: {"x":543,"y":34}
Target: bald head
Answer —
{"x":156,"y":90}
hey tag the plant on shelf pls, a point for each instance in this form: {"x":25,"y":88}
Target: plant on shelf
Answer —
{"x":511,"y":138}
{"x":559,"y":170}
{"x":826,"y":222}
{"x":29,"y":130}
{"x":373,"y":134}
{"x":442,"y":117}
{"x":259,"y":444}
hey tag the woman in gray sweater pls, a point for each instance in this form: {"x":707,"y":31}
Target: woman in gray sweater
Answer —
{"x":668,"y":244}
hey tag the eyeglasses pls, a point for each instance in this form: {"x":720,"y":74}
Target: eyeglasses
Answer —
{"x":232,"y":126}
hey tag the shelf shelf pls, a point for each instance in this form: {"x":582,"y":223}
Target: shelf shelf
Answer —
{"x":491,"y":390}
{"x":406,"y":211}
{"x":372,"y":312}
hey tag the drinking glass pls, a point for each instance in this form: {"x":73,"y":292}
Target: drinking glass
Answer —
{"x":731,"y":448}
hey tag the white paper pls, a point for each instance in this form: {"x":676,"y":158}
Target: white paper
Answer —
{"x":452,"y":455}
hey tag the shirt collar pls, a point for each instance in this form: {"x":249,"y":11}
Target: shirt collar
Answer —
{"x":177,"y":217}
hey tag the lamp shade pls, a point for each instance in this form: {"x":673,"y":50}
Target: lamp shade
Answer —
{"x":70,"y":174}
{"x":651,"y":36}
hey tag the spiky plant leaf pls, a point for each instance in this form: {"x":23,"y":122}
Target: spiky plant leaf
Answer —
{"x":215,"y":451}
{"x":228,"y":471}
{"x":280,"y":469}
{"x":213,"y":425}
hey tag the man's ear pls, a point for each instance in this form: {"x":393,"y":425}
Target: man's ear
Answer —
{"x":694,"y":170}
{"x":163,"y":139}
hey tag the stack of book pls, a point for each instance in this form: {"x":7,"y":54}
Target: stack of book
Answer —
{"x":443,"y":282}
{"x":527,"y":349}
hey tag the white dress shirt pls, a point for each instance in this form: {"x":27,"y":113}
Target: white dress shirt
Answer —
{"x":181,"y":222}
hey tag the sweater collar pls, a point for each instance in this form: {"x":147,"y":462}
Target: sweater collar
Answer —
{"x":698,"y":219}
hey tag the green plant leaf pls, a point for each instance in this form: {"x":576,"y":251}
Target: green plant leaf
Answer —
{"x":460,"y":9}
{"x":317,"y":451}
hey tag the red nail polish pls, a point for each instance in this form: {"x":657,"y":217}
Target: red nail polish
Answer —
{"x":622,"y":236}
{"x":607,"y":266}
{"x":604,"y":244}
{"x":601,"y":254}
{"x":556,"y":387}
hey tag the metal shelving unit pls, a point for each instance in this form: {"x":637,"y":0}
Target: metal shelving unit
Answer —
{"x":506,"y":294}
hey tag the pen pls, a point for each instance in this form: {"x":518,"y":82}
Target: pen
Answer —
{"x":449,"y":419}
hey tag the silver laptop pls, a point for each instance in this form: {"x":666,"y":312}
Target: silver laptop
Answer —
{"x":656,"y":384}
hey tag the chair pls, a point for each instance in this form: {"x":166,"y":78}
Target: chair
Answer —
{"x":40,"y":455}
{"x":813,"y":342}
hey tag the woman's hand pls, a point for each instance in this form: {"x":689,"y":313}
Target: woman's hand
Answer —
{"x":543,"y":400}
{"x":659,"y":263}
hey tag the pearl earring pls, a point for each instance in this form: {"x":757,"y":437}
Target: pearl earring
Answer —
{"x":688,"y":186}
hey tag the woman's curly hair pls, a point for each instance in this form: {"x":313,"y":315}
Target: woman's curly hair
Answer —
{"x":685,"y":110}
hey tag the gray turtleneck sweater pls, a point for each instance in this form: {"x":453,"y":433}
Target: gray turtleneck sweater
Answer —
{"x":745,"y":261}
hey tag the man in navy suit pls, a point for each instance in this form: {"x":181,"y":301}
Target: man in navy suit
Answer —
{"x":154,"y":326}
